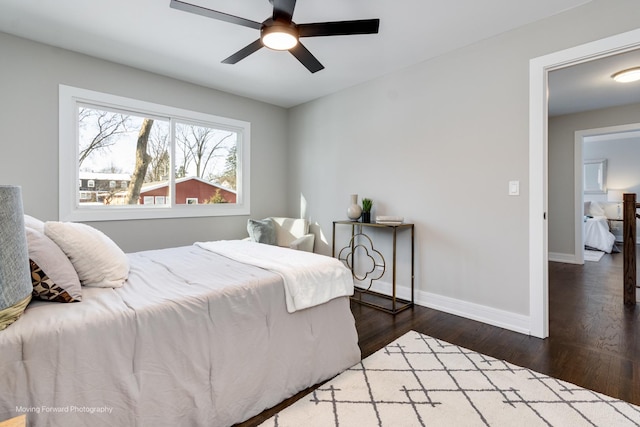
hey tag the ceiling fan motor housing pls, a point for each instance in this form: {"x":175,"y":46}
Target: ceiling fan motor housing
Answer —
{"x":279,"y":35}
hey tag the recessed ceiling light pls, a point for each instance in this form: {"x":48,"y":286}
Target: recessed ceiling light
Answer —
{"x":626,"y":76}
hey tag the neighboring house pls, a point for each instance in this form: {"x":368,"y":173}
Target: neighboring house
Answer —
{"x":95,"y":187}
{"x":189,"y":190}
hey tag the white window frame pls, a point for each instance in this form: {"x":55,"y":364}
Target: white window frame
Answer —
{"x":69,"y":207}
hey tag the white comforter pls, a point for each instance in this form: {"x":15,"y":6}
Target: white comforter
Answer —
{"x":191,"y":339}
{"x":309,"y":279}
{"x":597,"y":234}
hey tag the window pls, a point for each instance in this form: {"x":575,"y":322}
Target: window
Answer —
{"x":144,"y":160}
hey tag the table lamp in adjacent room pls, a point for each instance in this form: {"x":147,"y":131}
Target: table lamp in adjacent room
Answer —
{"x":15,"y":274}
{"x":615,"y":196}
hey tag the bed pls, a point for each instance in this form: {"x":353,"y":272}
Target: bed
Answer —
{"x":597,"y":234}
{"x":194,"y":337}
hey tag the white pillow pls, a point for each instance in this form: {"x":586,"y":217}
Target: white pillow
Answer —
{"x":35,"y":223}
{"x":53,"y":276}
{"x":596,"y":209}
{"x":98,"y":261}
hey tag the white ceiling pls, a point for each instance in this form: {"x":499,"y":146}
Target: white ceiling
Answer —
{"x":149,"y":35}
{"x":589,"y":86}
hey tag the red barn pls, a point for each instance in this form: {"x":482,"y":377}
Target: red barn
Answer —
{"x":189,"y":190}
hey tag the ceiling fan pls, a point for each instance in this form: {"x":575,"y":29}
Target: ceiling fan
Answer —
{"x":279,"y":32}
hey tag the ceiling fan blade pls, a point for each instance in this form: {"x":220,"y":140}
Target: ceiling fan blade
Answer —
{"x":220,"y":16}
{"x":244,"y":52}
{"x":306,"y":58}
{"x":283,"y":10}
{"x":339,"y":28}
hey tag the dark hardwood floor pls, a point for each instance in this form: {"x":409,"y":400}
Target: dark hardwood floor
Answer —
{"x":594,"y":340}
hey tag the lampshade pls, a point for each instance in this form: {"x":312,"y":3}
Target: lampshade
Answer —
{"x":627,"y":76}
{"x":15,"y":275}
{"x":614,"y":195}
{"x":279,"y":37}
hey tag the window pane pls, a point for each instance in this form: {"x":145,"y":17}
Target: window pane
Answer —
{"x":108,"y":153}
{"x":100,"y":177}
{"x":205,"y":167}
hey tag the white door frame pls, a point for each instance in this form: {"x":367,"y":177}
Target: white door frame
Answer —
{"x":538,"y":164}
{"x":580,"y":135}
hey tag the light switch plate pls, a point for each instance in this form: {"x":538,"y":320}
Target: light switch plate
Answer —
{"x":514,"y":188}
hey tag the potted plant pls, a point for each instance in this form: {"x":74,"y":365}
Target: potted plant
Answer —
{"x":366,"y":209}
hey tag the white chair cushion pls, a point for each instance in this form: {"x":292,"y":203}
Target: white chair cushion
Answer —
{"x":289,"y":229}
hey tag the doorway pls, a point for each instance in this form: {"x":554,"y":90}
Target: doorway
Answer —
{"x":538,"y":163}
{"x":624,"y":180}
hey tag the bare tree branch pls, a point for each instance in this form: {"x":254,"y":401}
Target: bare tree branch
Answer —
{"x":198,"y":145}
{"x":107,"y":125}
{"x":159,"y":151}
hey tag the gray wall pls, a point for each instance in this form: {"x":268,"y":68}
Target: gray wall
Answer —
{"x":29,"y":79}
{"x":438,"y":143}
{"x":562,"y":131}
{"x":623,"y":160}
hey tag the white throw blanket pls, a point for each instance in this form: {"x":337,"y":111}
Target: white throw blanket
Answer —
{"x":309,"y":279}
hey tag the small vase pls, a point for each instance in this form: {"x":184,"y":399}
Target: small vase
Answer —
{"x":354,"y":210}
{"x":366,"y":217}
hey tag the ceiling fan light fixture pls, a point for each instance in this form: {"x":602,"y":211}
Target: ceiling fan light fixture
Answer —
{"x":279,"y":37}
{"x":626,"y":76}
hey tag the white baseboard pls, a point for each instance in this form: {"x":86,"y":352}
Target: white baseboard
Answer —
{"x":566,"y":258}
{"x":489,"y":315}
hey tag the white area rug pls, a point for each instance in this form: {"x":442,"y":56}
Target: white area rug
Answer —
{"x":592,"y":255}
{"x":421,"y":381}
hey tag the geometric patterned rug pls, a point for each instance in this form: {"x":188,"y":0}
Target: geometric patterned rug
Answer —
{"x":421,"y":381}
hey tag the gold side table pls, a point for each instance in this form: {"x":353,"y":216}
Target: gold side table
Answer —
{"x":360,"y":239}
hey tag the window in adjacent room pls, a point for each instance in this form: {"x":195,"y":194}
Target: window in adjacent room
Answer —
{"x":135,"y":160}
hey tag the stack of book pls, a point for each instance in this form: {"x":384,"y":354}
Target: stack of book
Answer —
{"x":389,"y":220}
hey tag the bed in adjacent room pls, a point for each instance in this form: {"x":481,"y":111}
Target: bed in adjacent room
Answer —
{"x":193,"y":337}
{"x":597,"y":234}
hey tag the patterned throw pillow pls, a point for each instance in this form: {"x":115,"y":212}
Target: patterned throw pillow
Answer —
{"x":52,"y":274}
{"x":45,"y":288}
